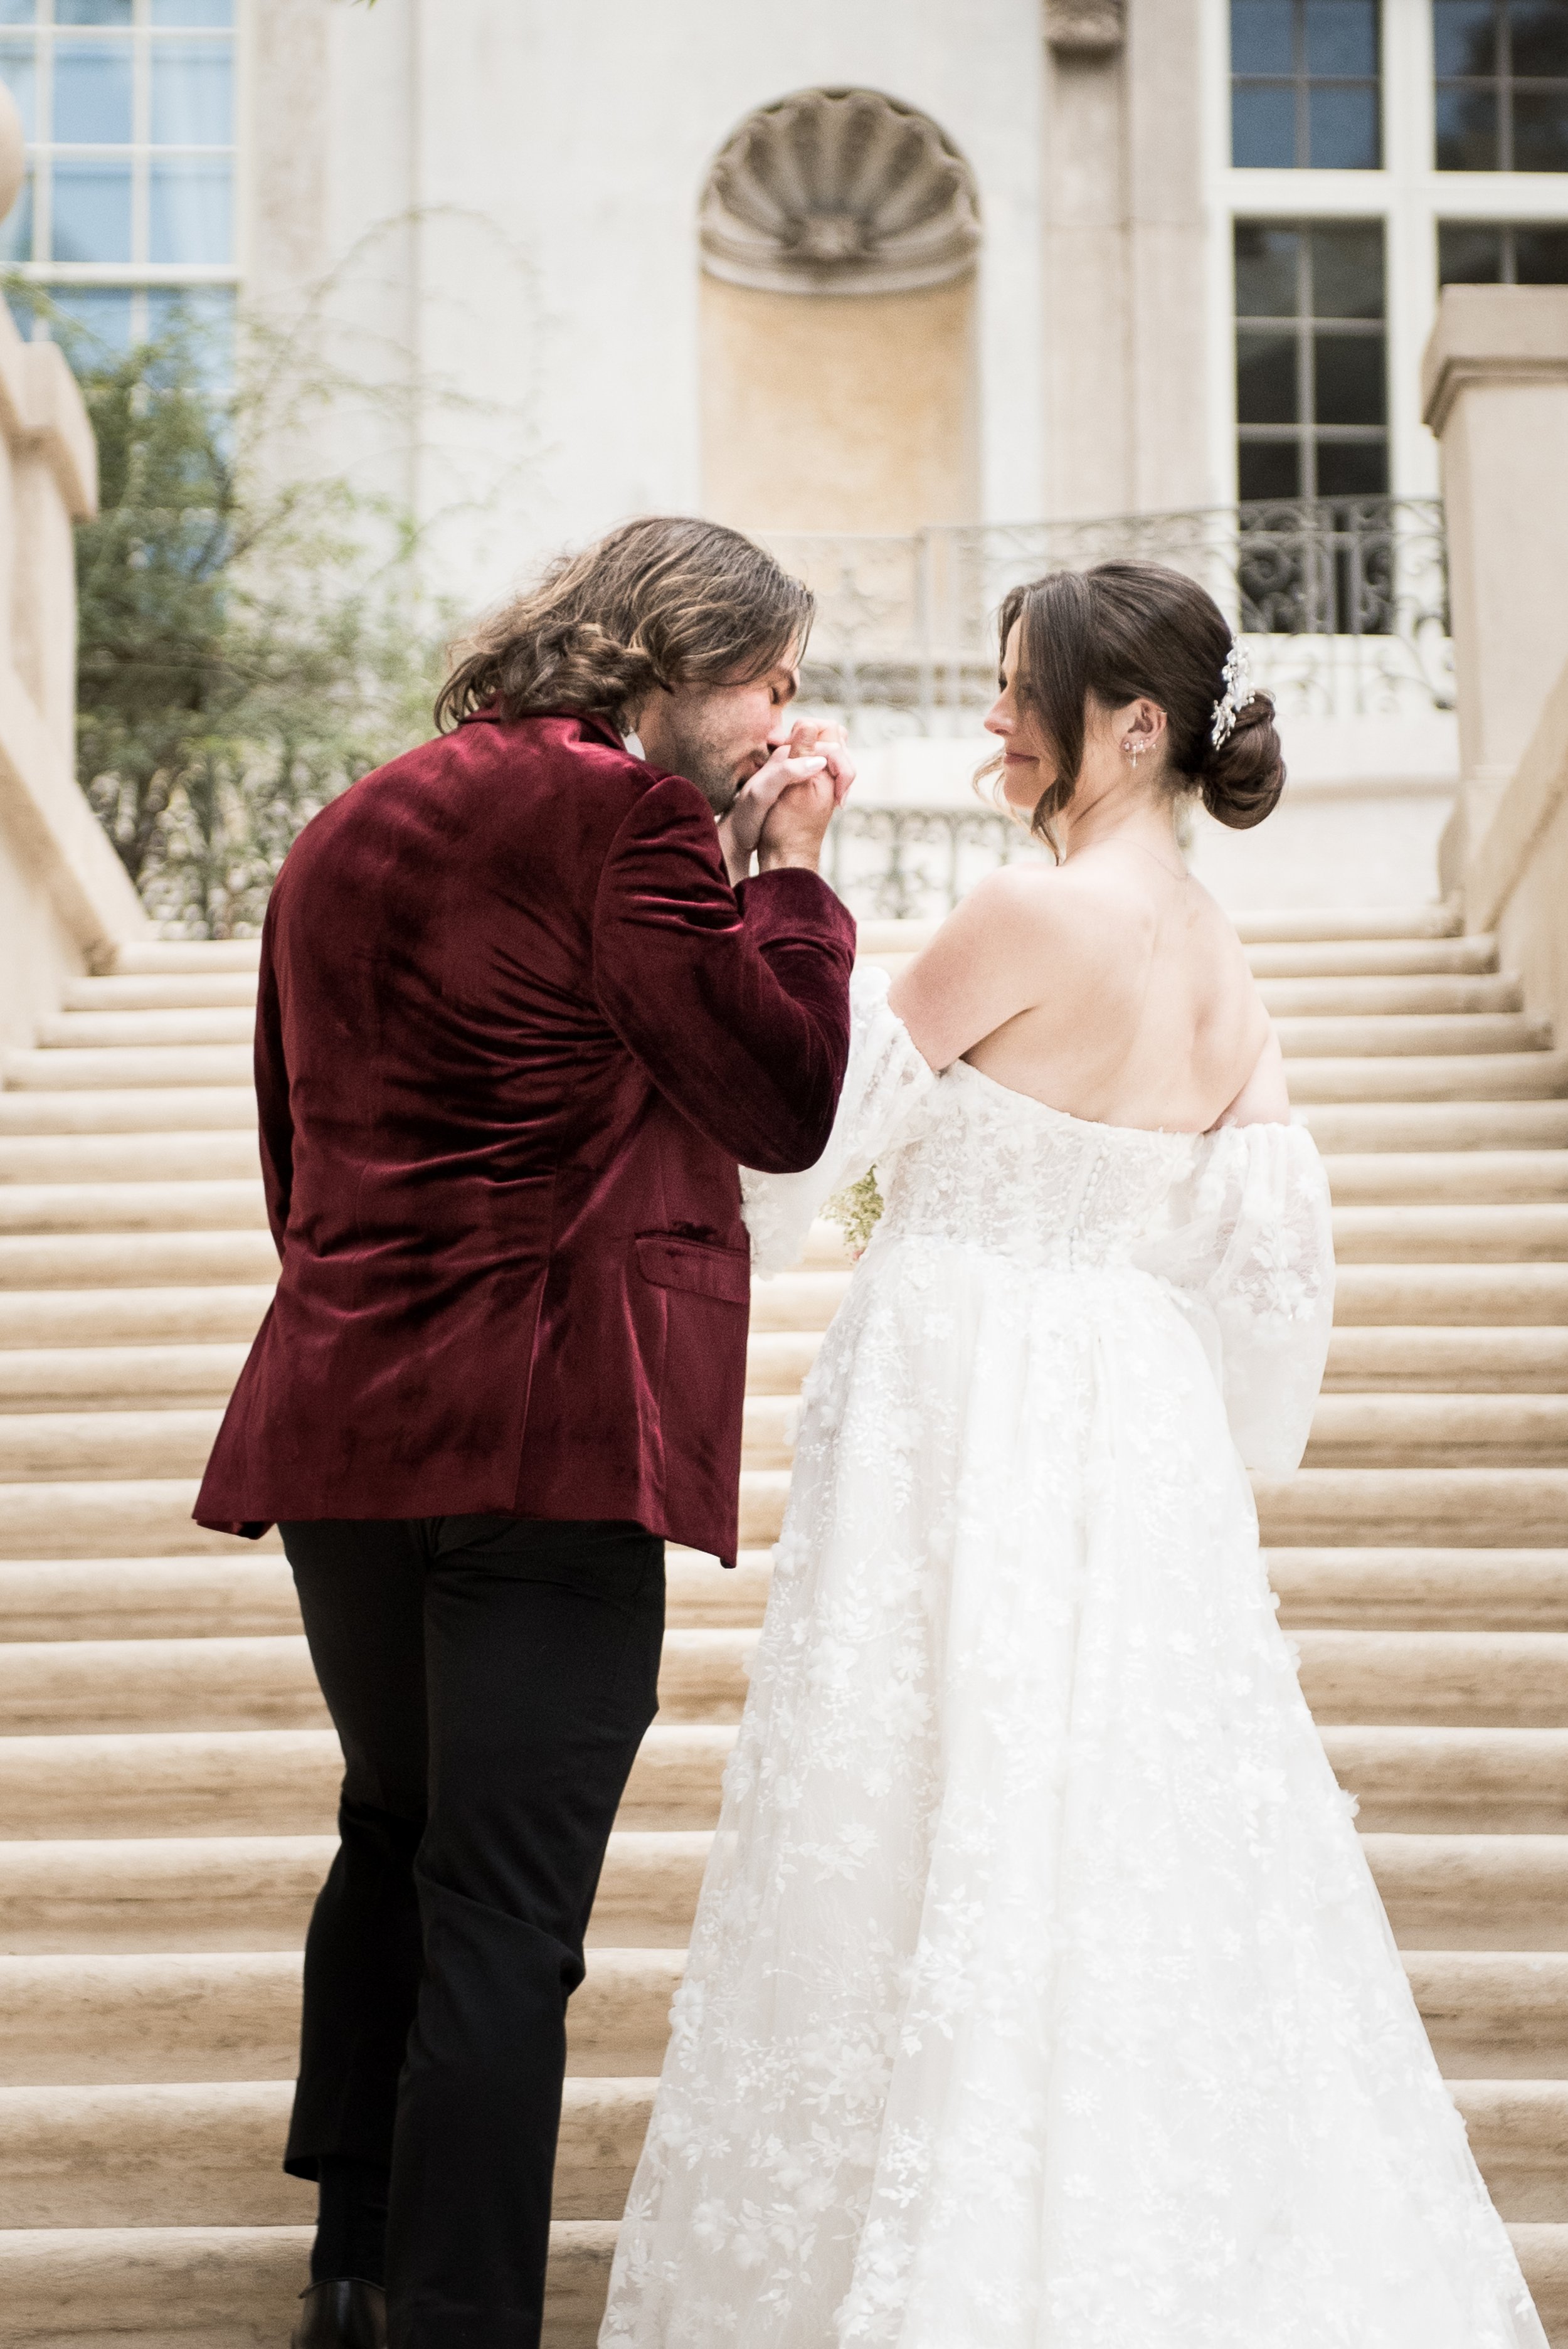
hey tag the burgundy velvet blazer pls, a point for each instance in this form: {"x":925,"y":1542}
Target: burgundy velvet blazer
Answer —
{"x":514,"y":1032}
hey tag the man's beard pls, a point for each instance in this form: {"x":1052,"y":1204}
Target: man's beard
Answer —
{"x":710,"y":765}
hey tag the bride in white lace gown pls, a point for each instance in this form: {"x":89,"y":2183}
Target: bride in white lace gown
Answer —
{"x":1039,"y":1996}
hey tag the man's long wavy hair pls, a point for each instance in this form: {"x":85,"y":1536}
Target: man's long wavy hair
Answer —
{"x":664,"y":601}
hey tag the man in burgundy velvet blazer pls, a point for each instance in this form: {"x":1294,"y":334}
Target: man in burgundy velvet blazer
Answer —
{"x":515,"y":1030}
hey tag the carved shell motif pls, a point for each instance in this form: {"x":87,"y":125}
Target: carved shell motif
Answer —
{"x":840,"y":191}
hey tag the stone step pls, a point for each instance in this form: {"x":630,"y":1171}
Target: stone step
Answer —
{"x":55,"y":1446}
{"x":1465,"y":1076}
{"x":129,"y":1067}
{"x":1442,"y":1679}
{"x":115,"y":1158}
{"x":1488,"y":1296}
{"x":1452,"y":1234}
{"x":223,"y":1314}
{"x":1449,"y":1781}
{"x":1493,"y":2015}
{"x":56,"y":1687}
{"x":1512,"y":1508}
{"x":1401,"y":1431}
{"x":74,"y":1031}
{"x":148,"y":1517}
{"x":172,"y":1207}
{"x":1466,"y":1891}
{"x":1443,"y":1177}
{"x":149,"y":1378}
{"x":285,"y":1782}
{"x":1386,"y":1038}
{"x":200,"y":1108}
{"x":209,"y":2153}
{"x":228,"y":2288}
{"x":246,"y":1591}
{"x":86,"y":2021}
{"x":1453,"y":1362}
{"x":1484,"y":1127}
{"x":1420,"y":1590}
{"x":1372,"y":958}
{"x":1339,"y":996}
{"x":202,"y":2154}
{"x":169,"y":991}
{"x":140,"y":1260}
{"x":255,"y":1892}
{"x":204,"y":955}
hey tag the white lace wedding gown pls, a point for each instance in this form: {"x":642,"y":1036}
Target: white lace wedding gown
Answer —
{"x":1039,"y":1996}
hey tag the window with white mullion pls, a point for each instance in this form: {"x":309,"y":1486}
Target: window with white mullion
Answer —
{"x":130,"y":110}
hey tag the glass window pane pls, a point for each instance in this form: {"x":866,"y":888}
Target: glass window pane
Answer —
{"x":1263,"y":126}
{"x":1469,"y":254}
{"x":1347,"y":374}
{"x":92,"y":12}
{"x":1260,"y":38}
{"x":191,"y":212}
{"x":1347,"y":270}
{"x":1466,"y":129}
{"x":1266,"y":270}
{"x":1542,"y":255}
{"x":18,"y":11}
{"x":1341,"y":37}
{"x":1464,"y":37}
{"x":18,"y":71}
{"x":1540,"y":131}
{"x":193,"y":11}
{"x":16,"y":228}
{"x":192,"y":94}
{"x":1268,"y":469}
{"x":92,"y":93}
{"x":1344,"y":127}
{"x":1538,"y":36}
{"x":91,"y":211}
{"x":94,"y":323}
{"x":1266,"y":376}
{"x":1352,"y":468}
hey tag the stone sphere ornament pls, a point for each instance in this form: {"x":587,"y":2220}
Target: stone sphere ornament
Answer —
{"x":840,"y":191}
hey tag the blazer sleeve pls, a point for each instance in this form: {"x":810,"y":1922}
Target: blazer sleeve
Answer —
{"x":275,"y":1120}
{"x":737,"y":1005}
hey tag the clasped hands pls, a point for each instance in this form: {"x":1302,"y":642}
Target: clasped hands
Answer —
{"x":783,"y":811}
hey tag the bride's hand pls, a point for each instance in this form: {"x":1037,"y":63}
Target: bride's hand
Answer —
{"x":813,"y":751}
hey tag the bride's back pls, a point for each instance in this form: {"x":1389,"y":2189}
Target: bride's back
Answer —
{"x":1146,"y":1012}
{"x":1110,"y":985}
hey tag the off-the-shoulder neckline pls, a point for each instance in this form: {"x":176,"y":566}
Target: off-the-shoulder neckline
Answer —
{"x":1096,"y":1125}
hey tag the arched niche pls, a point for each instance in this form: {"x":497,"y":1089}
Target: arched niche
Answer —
{"x":839,"y":233}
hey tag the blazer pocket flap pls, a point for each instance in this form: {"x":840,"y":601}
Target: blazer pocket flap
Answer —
{"x":695,"y":1265}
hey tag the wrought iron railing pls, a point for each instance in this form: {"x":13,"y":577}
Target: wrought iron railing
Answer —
{"x":1344,"y":602}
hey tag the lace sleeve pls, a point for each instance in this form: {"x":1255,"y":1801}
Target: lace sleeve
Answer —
{"x":1251,"y":1257}
{"x":885,"y":1080}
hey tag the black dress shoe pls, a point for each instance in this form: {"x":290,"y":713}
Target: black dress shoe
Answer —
{"x":342,"y":2313}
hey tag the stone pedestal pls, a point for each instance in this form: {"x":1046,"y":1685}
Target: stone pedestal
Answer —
{"x":1494,"y":384}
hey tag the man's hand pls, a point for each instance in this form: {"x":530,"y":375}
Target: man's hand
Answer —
{"x":787,"y":806}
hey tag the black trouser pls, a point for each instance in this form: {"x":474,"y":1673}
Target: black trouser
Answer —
{"x":490,"y":1678}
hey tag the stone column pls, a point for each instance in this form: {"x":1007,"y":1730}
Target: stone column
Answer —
{"x":1494,"y":390}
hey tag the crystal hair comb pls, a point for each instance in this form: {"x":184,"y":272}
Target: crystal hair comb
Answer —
{"x":1239,"y":690}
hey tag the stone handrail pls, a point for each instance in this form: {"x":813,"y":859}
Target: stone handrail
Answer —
{"x":66,"y":901}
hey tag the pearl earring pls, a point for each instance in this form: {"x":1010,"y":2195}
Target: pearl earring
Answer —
{"x":1134,"y":746}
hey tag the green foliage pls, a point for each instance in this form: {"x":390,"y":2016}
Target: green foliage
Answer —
{"x":857,"y":1211}
{"x":249,"y":641}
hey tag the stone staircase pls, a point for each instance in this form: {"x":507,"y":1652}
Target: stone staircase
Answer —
{"x":167,"y":1777}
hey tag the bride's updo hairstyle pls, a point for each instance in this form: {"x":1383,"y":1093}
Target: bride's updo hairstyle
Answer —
{"x":1128,"y":631}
